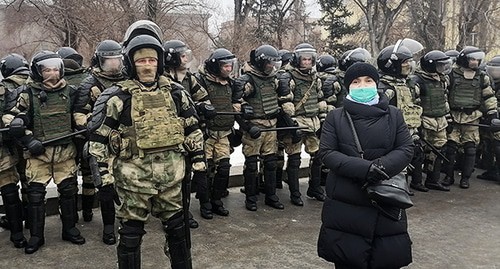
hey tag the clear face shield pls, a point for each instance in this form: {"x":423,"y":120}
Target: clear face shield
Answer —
{"x":414,"y":46}
{"x":271,"y":66}
{"x":186,"y":56}
{"x":444,"y":67}
{"x":307,"y":59}
{"x":111,"y":64}
{"x":50,"y":65}
{"x":360,"y":55}
{"x":493,"y":71}
{"x":475,"y":59}
{"x":408,"y":67}
{"x":226,"y":67}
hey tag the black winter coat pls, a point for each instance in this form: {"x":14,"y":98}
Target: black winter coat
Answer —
{"x":354,"y":233}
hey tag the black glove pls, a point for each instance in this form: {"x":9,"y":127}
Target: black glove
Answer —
{"x":254,"y":132}
{"x":34,"y":146}
{"x":247,"y":111}
{"x":375,"y":174}
{"x":207,"y":110}
{"x":490,"y":118}
{"x":17,"y":127}
{"x":108,"y":193}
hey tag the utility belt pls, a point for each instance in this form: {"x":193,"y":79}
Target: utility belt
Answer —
{"x":268,"y":117}
{"x":465,"y":110}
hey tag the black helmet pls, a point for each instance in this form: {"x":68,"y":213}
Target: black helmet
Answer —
{"x":265,"y":59}
{"x":142,"y":27}
{"x":453,"y":54}
{"x":391,"y":58}
{"x":174,"y":49}
{"x":470,"y":52}
{"x":70,"y":57}
{"x":42,"y":59}
{"x":303,"y":50}
{"x":106,"y":49}
{"x":493,"y":68}
{"x":141,"y":42}
{"x":14,"y":64}
{"x":353,"y":56}
{"x":218,"y":58}
{"x":326,"y":61}
{"x":286,"y":56}
{"x":436,"y":61}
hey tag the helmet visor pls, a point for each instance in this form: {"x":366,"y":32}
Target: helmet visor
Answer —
{"x":111,"y":64}
{"x":51,"y":63}
{"x":186,"y":56}
{"x":408,"y":67}
{"x":479,"y":55}
{"x":226,"y":67}
{"x":271,"y":67}
{"x":307,"y":59}
{"x":360,"y":55}
{"x":493,"y":71}
{"x":444,"y":67}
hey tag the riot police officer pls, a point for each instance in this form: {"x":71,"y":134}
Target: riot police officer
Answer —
{"x":396,"y":63}
{"x":14,"y":69}
{"x":106,"y":70}
{"x":432,"y":83}
{"x":470,"y":97}
{"x":256,"y":91}
{"x":46,"y":109}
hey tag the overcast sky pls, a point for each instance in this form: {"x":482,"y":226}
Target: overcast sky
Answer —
{"x":225,"y":10}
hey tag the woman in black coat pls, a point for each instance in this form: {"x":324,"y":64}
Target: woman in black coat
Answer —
{"x":355,"y":234}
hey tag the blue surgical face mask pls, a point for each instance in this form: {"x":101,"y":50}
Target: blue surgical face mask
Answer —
{"x":364,"y":94}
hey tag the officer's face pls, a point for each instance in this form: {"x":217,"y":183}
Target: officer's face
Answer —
{"x":50,"y":73}
{"x":226,"y":70}
{"x":306,"y":62}
{"x":363,"y":82}
{"x":473,"y":63}
{"x":146,"y":69}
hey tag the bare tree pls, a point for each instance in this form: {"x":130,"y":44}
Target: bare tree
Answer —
{"x":427,"y":18}
{"x":380,"y":16}
{"x":472,"y":13}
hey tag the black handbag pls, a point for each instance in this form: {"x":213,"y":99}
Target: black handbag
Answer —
{"x":393,"y":192}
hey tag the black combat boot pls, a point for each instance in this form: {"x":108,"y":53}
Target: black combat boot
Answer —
{"x":87,"y":205}
{"x":14,"y":212}
{"x":315,"y":190}
{"x":36,"y":213}
{"x":108,"y":220}
{"x":449,"y":168}
{"x":292,"y":171}
{"x":129,"y":247}
{"x":67,"y":190}
{"x":250,"y":174}
{"x":177,"y":242}
{"x":271,"y":199}
{"x":432,"y":181}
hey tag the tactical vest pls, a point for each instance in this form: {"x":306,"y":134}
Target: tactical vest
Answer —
{"x":433,"y":97}
{"x":310,"y":107}
{"x":76,"y":78}
{"x":155,"y":123}
{"x":220,"y":97}
{"x":52,"y":118}
{"x":264,"y":99}
{"x":465,"y":93}
{"x":405,"y":102}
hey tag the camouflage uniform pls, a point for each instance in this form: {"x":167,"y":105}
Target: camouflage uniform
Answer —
{"x":309,"y":110}
{"x":435,"y":116}
{"x":470,"y":98}
{"x":94,"y":84}
{"x":51,"y":113}
{"x":218,"y":129}
{"x":260,"y":92}
{"x":9,"y":176}
{"x":406,"y":96}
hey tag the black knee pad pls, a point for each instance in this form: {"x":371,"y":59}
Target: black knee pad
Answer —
{"x":469,"y":149}
{"x":67,"y":188}
{"x":270,"y":162}
{"x":251,"y":163}
{"x":224,"y":167}
{"x":451,"y":145}
{"x":9,"y":188}
{"x":174,"y":222}
{"x":132,"y":227}
{"x":36,"y":193}
{"x":10,"y":193}
{"x":294,"y":160}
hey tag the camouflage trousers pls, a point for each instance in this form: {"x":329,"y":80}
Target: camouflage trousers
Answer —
{"x":151,"y":184}
{"x":264,"y":145}
{"x":309,"y":138}
{"x":8,"y":172}
{"x":464,"y":133}
{"x":57,"y":163}
{"x":217,"y":148}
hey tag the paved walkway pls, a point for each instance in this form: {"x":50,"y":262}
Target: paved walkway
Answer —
{"x":459,"y":229}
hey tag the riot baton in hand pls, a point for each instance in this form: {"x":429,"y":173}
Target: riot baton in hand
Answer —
{"x":46,"y":142}
{"x":4,"y":130}
{"x":435,"y":150}
{"x":494,"y":126}
{"x":291,"y":128}
{"x":228,"y":113}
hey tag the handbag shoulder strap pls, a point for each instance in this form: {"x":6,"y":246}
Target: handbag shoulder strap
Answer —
{"x":355,"y":134}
